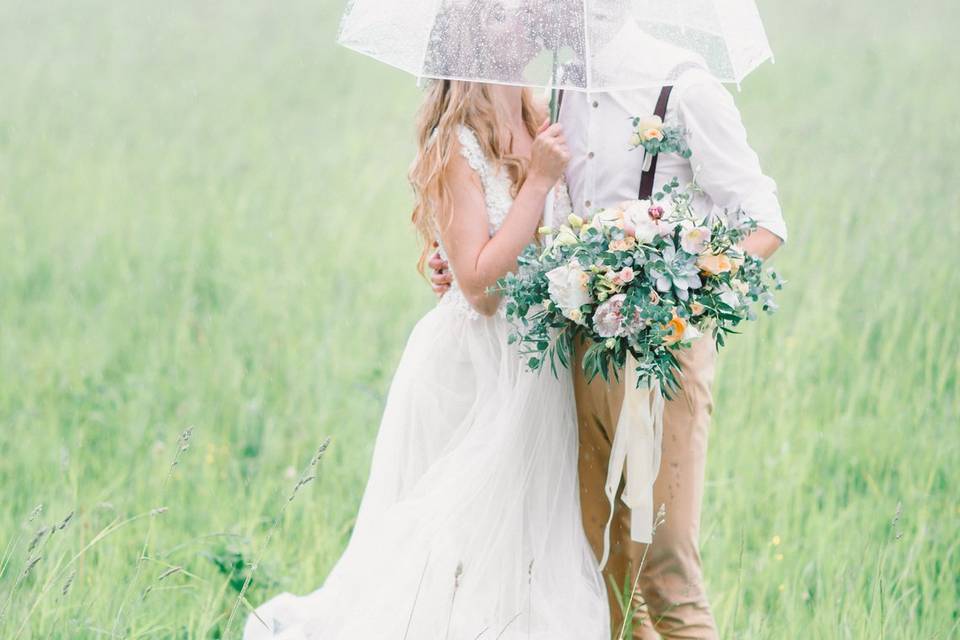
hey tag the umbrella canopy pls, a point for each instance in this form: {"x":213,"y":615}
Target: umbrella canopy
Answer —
{"x":587,"y":45}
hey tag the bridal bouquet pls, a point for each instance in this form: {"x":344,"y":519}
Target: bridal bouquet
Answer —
{"x":643,"y":278}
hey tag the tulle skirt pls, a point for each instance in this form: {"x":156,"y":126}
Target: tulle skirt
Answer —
{"x":469,"y":528}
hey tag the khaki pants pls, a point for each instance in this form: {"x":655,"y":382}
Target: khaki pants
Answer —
{"x":671,"y":580}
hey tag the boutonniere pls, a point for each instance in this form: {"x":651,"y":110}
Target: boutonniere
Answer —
{"x":655,"y":137}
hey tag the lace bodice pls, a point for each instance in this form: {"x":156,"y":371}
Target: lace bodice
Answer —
{"x":496,"y":192}
{"x":498,"y":199}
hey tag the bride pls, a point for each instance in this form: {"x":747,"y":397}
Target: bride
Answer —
{"x":469,"y":528}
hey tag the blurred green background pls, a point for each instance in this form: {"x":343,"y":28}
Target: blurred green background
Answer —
{"x":204,"y":223}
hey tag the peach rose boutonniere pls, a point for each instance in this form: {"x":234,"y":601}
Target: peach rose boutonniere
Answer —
{"x":655,"y":137}
{"x":648,"y":128}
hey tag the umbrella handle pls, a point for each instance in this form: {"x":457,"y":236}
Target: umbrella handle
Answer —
{"x":554,"y":102}
{"x":553,"y":106}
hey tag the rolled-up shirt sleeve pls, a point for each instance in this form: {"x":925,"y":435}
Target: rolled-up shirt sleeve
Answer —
{"x":727,"y":168}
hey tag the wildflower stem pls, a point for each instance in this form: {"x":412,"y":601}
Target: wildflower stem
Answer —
{"x":628,"y":609}
{"x":306,"y":477}
{"x":57,"y":573}
{"x":183,"y":443}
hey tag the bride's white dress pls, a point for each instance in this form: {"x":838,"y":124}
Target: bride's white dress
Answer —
{"x":469,"y":528}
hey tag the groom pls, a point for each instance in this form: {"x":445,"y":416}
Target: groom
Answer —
{"x":672,"y":601}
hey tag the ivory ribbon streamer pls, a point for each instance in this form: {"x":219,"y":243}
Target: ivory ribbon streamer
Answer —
{"x":647,"y":160}
{"x":636,"y":448}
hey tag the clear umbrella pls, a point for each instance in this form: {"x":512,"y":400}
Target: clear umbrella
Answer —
{"x":587,"y":45}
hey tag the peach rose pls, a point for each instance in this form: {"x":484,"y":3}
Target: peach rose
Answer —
{"x":652,"y":134}
{"x":714,"y":264}
{"x":623,"y":244}
{"x":651,"y":128}
{"x":676,"y":328}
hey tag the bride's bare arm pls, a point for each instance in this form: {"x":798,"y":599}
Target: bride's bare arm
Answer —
{"x":477,"y":259}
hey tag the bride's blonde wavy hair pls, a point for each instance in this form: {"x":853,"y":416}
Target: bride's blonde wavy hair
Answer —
{"x":448,"y":105}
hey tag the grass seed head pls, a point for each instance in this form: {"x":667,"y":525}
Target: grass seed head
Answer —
{"x":67,"y":584}
{"x":30,"y":565}
{"x":169,"y":572}
{"x":37,"y":510}
{"x":37,"y":538}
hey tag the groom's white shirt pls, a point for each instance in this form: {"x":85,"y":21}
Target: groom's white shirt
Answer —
{"x":603,"y":169}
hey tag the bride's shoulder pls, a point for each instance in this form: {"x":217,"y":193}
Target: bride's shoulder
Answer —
{"x":462,"y":134}
{"x":470,"y":148}
{"x":467,"y":137}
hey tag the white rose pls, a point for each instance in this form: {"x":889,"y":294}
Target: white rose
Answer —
{"x":635,"y":211}
{"x":694,"y":239}
{"x":612,"y":217}
{"x":568,"y":289}
{"x":642,"y":225}
{"x":646,"y":231}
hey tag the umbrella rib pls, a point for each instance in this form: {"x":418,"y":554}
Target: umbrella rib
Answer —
{"x":426,"y":44}
{"x":726,"y":44}
{"x":587,"y":62}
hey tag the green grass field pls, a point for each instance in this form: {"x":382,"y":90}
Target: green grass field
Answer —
{"x":204,"y":223}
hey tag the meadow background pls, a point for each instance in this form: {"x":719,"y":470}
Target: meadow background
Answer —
{"x":204,"y":224}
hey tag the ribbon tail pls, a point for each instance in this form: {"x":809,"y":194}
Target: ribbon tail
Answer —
{"x":647,"y":160}
{"x":641,"y":463}
{"x":636,"y":448}
{"x":618,"y":460}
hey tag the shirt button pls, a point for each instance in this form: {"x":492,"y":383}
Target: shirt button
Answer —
{"x":590,"y":155}
{"x":587,"y":204}
{"x":595,"y":104}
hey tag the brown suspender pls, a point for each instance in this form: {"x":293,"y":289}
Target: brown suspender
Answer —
{"x":646,"y":180}
{"x":648,"y":176}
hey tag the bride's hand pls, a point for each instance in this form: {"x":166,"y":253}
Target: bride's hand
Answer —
{"x":549,"y":156}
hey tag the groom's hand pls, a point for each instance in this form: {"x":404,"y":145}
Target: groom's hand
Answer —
{"x":440,"y":276}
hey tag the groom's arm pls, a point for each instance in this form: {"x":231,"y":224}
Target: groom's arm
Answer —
{"x":761,"y":243}
{"x":728,"y":169}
